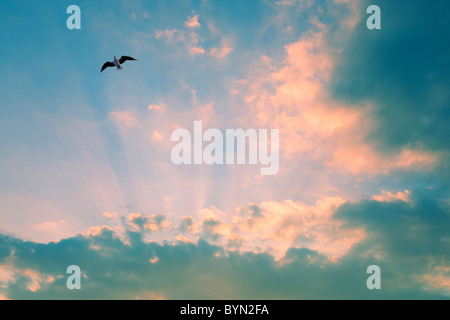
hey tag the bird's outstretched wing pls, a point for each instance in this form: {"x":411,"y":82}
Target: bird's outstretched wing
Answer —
{"x":106,"y":65}
{"x":126,"y":58}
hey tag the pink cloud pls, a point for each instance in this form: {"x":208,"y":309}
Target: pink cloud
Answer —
{"x":110,"y":215}
{"x":184,"y":239}
{"x":154,"y":260}
{"x":124,"y":117}
{"x":167,"y":34}
{"x":151,"y":296}
{"x":270,"y":226}
{"x":156,"y":107}
{"x":97,"y":230}
{"x":192,"y":22}
{"x":36,"y":280}
{"x":294,"y":99}
{"x":6,"y":275}
{"x":157,"y":136}
{"x":437,"y":280}
{"x":196,"y":50}
{"x":192,"y":44}
{"x":387,"y":196}
{"x":148,"y":223}
{"x":221,"y":52}
{"x":277,"y":226}
{"x":52,"y":225}
{"x":285,"y":3}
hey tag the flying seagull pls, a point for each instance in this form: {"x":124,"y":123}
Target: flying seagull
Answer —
{"x":117,"y":63}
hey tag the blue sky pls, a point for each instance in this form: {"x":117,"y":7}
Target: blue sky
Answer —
{"x":85,"y":162}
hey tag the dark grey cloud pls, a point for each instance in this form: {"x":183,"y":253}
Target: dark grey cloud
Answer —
{"x":402,"y":70}
{"x":412,"y":238}
{"x":417,"y":229}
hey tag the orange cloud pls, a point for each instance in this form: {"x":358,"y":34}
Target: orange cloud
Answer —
{"x":157,"y":136}
{"x":110,"y":215}
{"x":277,"y":226}
{"x":97,"y":230}
{"x":154,"y":260}
{"x":437,"y":280}
{"x":151,"y":223}
{"x":182,"y":238}
{"x":36,"y":280}
{"x":151,"y":296}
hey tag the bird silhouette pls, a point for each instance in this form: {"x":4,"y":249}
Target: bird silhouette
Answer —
{"x":117,"y":63}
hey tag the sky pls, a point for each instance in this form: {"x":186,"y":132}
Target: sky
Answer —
{"x":87,"y":177}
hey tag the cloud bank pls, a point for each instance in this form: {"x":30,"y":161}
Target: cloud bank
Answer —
{"x":409,"y":240}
